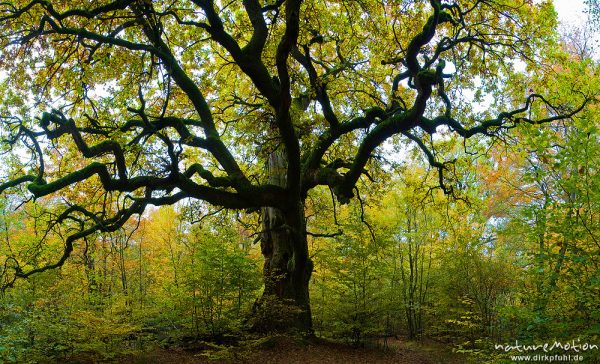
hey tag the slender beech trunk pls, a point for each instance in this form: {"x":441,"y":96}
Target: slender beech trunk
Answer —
{"x":287,"y":267}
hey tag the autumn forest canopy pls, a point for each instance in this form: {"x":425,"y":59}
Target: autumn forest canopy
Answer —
{"x":220,"y":172}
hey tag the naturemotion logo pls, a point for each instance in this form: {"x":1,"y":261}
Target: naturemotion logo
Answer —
{"x":573,"y":345}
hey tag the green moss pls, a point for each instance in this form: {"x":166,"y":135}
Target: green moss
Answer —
{"x":427,"y":76}
{"x":42,"y":189}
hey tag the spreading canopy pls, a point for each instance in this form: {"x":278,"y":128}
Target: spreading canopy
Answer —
{"x":142,"y":102}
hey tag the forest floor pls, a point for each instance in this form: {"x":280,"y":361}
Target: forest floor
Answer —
{"x":291,"y":351}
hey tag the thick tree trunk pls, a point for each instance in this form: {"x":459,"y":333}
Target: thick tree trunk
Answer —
{"x":285,"y":303}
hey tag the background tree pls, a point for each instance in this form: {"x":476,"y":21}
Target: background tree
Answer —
{"x":150,"y":103}
{"x":594,"y":11}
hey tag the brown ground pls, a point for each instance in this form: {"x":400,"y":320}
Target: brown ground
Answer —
{"x":291,"y":351}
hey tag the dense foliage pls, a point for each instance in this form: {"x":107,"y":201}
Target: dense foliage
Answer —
{"x":409,"y":263}
{"x":179,"y":171}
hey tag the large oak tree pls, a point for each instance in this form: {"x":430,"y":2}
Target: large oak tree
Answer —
{"x":249,"y":105}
